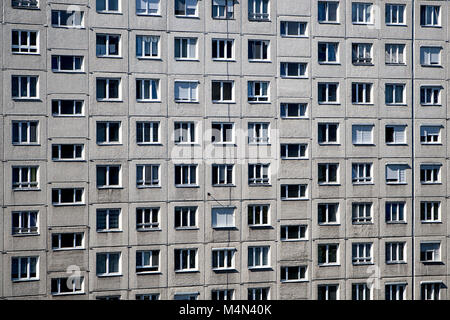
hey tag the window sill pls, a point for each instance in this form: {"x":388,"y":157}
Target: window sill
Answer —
{"x":109,"y":57}
{"x":185,"y":101}
{"x":393,"y":144}
{"x":24,"y":280}
{"x":432,"y":262}
{"x":430,"y":183}
{"x":362,"y":223}
{"x":149,"y":187}
{"x":265,"y":268}
{"x":224,"y":270}
{"x":67,"y":294}
{"x":266,"y":144}
{"x":109,"y":12}
{"x":223,"y":60}
{"x":25,"y":8}
{"x":259,"y":61}
{"x":259,"y":19}
{"x":294,"y":158}
{"x":262,"y":227}
{"x":329,"y":184}
{"x":362,"y":263}
{"x":393,"y":64}
{"x":26,"y":53}
{"x":396,"y":25}
{"x":187,"y":17}
{"x":329,"y":22}
{"x":149,"y":58}
{"x":187,"y":186}
{"x":295,"y":37}
{"x":109,"y":100}
{"x":324,"y":144}
{"x":31,"y":234}
{"x":294,"y":118}
{"x":296,"y":199}
{"x":187,"y":228}
{"x":294,"y":281}
{"x":293,"y":240}
{"x":67,"y":249}
{"x":109,"y":275}
{"x":329,"y":63}
{"x":144,"y":273}
{"x":259,"y":184}
{"x":430,"y":105}
{"x":396,"y":222}
{"x":225,"y":228}
{"x":69,"y":27}
{"x":148,"y":101}
{"x":69,"y":160}
{"x":363,"y":183}
{"x":223,"y":102}
{"x":364,"y":144}
{"x":396,"y":262}
{"x":148,"y":15}
{"x":293,"y":77}
{"x":148,"y":229}
{"x":26,"y":189}
{"x":259,"y":102}
{"x":430,"y":222}
{"x":143,"y":144}
{"x":328,"y":224}
{"x":109,"y":187}
{"x":321,"y":103}
{"x":396,"y":105}
{"x":73,"y":204}
{"x":26,"y":99}
{"x":361,"y":64}
{"x":431,"y":26}
{"x":68,"y":116}
{"x":329,"y":265}
{"x":362,"y":23}
{"x":431,"y":66}
{"x":187,"y":144}
{"x":26,"y":144}
{"x":109,"y":143}
{"x":187,"y":271}
{"x":223,"y":185}
{"x":187,"y":59}
{"x":68,"y":71}
{"x":109,"y":231}
{"x":431,"y":144}
{"x":224,"y":144}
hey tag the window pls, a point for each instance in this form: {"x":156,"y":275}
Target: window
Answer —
{"x":186,"y":296}
{"x":186,"y":175}
{"x":293,"y":274}
{"x":108,"y":264}
{"x":293,"y":110}
{"x":25,"y":178}
{"x":258,"y":133}
{"x":24,"y":268}
{"x":24,"y":87}
{"x":147,"y":132}
{"x":362,"y":134}
{"x":328,"y":52}
{"x":222,"y":9}
{"x":328,"y":92}
{"x":328,"y":254}
{"x":292,"y":29}
{"x":67,"y":152}
{"x":223,"y":259}
{"x":222,"y":133}
{"x":327,"y":173}
{"x":225,"y":294}
{"x":258,"y":174}
{"x":362,"y":173}
{"x":327,"y":213}
{"x":108,"y":176}
{"x":147,"y":219}
{"x":293,"y":191}
{"x":362,"y":13}
{"x":430,"y":16}
{"x":396,"y":173}
{"x":430,"y":134}
{"x":395,"y":14}
{"x":222,"y":174}
{"x":258,"y":50}
{"x":430,"y":96}
{"x":24,"y":42}
{"x":361,"y":291}
{"x":32,"y":4}
{"x":430,"y":56}
{"x":147,"y":7}
{"x":258,"y":216}
{"x":430,"y":211}
{"x":186,"y":8}
{"x":328,"y":133}
{"x":25,"y":132}
{"x":185,"y":260}
{"x":223,"y":217}
{"x":430,"y":290}
{"x":222,"y":91}
{"x":258,"y":91}
{"x":185,"y":217}
{"x":147,"y":175}
{"x":394,"y":94}
{"x":62,"y":241}
{"x":186,"y":91}
{"x":362,"y":53}
{"x":258,"y":9}
{"x":395,"y":134}
{"x":293,"y":232}
{"x":63,"y":286}
{"x":147,"y":47}
{"x":328,"y":292}
{"x":430,"y":252}
{"x":108,"y":45}
{"x":395,"y":291}
{"x":395,"y":54}
{"x":328,"y":11}
{"x":258,"y":294}
{"x":395,"y":252}
{"x":430,"y":173}
{"x":185,"y":48}
{"x":147,"y":261}
{"x":395,"y":212}
{"x":147,"y":90}
{"x":150,"y":296}
{"x":107,"y":6}
{"x":67,"y":196}
{"x":362,"y":253}
{"x":108,"y":132}
{"x":258,"y":257}
{"x":67,"y":19}
{"x":222,"y":49}
{"x":108,"y":89}
{"x":25,"y":222}
{"x":108,"y":220}
{"x":361,"y":93}
{"x":66,"y":108}
{"x":292,"y":70}
{"x":293,"y":151}
{"x":184,"y":132}
{"x":362,"y":213}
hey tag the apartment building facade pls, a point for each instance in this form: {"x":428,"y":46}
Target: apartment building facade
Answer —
{"x":221,"y":149}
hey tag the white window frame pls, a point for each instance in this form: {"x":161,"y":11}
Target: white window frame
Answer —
{"x":222,"y":9}
{"x":398,"y":134}
{"x":222,"y":294}
{"x":153,"y":129}
{"x":218,"y":55}
{"x":302,"y":189}
{"x":108,"y":46}
{"x":395,"y":252}
{"x":151,"y":84}
{"x":108,"y":84}
{"x":392,"y":89}
{"x":107,"y":214}
{"x":187,"y":132}
{"x":256,"y":257}
{"x":74,"y":69}
{"x":75,"y":192}
{"x":75,"y":19}
{"x":107,"y":272}
{"x":263,"y":178}
{"x":25,"y":181}
{"x":328,"y":288}
{"x":362,"y":213}
{"x":77,"y":108}
{"x":222,"y":91}
{"x":430,"y":134}
{"x":222,"y":174}
{"x":395,"y":212}
{"x":395,"y":54}
{"x":362,"y":253}
{"x":150,"y":51}
{"x":26,"y":4}
{"x":327,"y":167}
{"x":73,"y":282}
{"x":219,"y":133}
{"x":400,"y":170}
{"x":300,"y":148}
{"x":192,"y":91}
{"x":426,"y":56}
{"x":430,"y":211}
{"x":230,"y":217}
{"x":362,"y":291}
{"x":141,"y":264}
{"x":431,"y":173}
{"x":77,"y":148}
{"x":21,"y":140}
{"x":362,"y":93}
{"x":28,"y":95}
{"x":327,"y":86}
{"x":147,"y":219}
{"x":154,"y":181}
{"x":24,"y":221}
{"x":301,"y":274}
{"x":149,"y":9}
{"x":327,"y":247}
{"x":263,"y":54}
{"x":301,"y":110}
{"x":223,"y":259}
{"x":27,"y":260}
{"x":188,"y":5}
{"x":258,"y":133}
{"x":258,"y":10}
{"x":107,"y":9}
{"x":329,"y":47}
{"x":429,"y":16}
{"x":258,"y":95}
{"x":326,"y":6}
{"x":432,"y":248}
{"x":362,"y":13}
{"x":299,"y":27}
{"x":74,"y":235}
{"x":28,"y":48}
{"x":328,"y":216}
{"x":301,"y":68}
{"x":107,"y":133}
{"x":108,"y":184}
{"x":395,"y":14}
{"x":258,"y":294}
{"x":430,"y":95}
{"x":186,"y":215}
{"x":189,"y":45}
{"x":258,"y":215}
{"x":362,"y":53}
{"x":362,"y":173}
{"x":190,"y":252}
{"x":326,"y":138}
{"x":395,"y":291}
{"x":190,"y":182}
{"x":430,"y":290}
{"x":301,"y":233}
